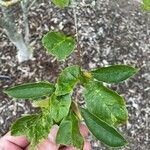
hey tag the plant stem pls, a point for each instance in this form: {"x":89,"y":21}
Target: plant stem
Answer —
{"x":24,"y":6}
{"x":76,"y":110}
{"x":78,"y":54}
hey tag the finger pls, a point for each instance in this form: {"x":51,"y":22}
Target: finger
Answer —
{"x":84,"y":130}
{"x":7,"y":145}
{"x":87,"y":146}
{"x":47,"y":145}
{"x":53,"y":133}
{"x":68,"y":148}
{"x":20,"y":141}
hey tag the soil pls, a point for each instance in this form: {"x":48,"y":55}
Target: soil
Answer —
{"x":110,"y":32}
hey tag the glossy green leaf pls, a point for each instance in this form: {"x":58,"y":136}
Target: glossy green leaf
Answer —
{"x":61,"y":3}
{"x":58,"y":44}
{"x":69,"y":133}
{"x":146,"y":5}
{"x":114,"y":73}
{"x":102,"y":131}
{"x":59,"y":107}
{"x":105,"y":103}
{"x":35,"y":127}
{"x":67,"y":80}
{"x":31,"y":90}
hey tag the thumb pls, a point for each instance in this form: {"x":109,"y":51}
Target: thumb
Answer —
{"x":46,"y":145}
{"x":53,"y":133}
{"x":50,"y":144}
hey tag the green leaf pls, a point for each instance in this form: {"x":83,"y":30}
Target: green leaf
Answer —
{"x":58,"y":44}
{"x":31,"y":90}
{"x":102,"y":131}
{"x":61,"y":3}
{"x":35,"y":127}
{"x":114,"y":73}
{"x":43,"y":103}
{"x":69,"y":133}
{"x":67,"y":80}
{"x":146,"y":4}
{"x":59,"y":107}
{"x":105,"y":103}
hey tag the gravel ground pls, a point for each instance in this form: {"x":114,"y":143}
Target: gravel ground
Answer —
{"x":110,"y":32}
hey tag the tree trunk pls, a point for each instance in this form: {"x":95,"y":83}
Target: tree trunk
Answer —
{"x":9,"y":24}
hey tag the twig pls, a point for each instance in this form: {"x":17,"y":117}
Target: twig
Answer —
{"x":15,"y":36}
{"x":24,"y":6}
{"x":74,"y":6}
{"x":75,"y":19}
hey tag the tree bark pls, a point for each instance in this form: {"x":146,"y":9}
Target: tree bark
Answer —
{"x":8,"y":22}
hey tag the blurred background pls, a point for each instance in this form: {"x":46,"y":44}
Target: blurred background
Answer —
{"x":110,"y":32}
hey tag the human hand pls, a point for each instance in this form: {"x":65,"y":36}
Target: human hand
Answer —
{"x":9,"y":142}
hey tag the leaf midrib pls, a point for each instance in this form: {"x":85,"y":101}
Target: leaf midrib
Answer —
{"x":58,"y":44}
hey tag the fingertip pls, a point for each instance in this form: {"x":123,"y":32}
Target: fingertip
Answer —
{"x":84,"y":130}
{"x":87,"y":146}
{"x":47,"y":145}
{"x":53,"y":133}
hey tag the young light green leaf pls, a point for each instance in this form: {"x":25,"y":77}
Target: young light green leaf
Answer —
{"x":146,"y":5}
{"x":67,"y":80}
{"x":31,"y":90}
{"x":35,"y":127}
{"x":105,"y":103}
{"x":69,"y":133}
{"x":59,"y":107}
{"x":43,"y":103}
{"x":61,"y":3}
{"x":114,"y":73}
{"x":58,"y":44}
{"x":102,"y":131}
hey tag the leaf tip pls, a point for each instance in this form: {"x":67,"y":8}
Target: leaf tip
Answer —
{"x":137,"y":70}
{"x":6,"y":91}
